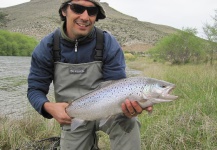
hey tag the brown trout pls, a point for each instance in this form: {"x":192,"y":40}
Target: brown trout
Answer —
{"x":106,"y":101}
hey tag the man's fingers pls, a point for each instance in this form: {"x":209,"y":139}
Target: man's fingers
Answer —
{"x":130,"y":108}
{"x":137,"y":107}
{"x":149,"y":109}
{"x":125,"y":110}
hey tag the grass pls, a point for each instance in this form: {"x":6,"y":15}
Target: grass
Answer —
{"x":20,"y":134}
{"x":189,"y":123}
{"x":10,"y":83}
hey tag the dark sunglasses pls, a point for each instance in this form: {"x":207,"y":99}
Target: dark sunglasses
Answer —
{"x":79,"y":9}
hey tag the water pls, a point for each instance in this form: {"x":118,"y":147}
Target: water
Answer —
{"x":13,"y":86}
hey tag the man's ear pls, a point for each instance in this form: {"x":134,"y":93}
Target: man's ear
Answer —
{"x":64,"y":13}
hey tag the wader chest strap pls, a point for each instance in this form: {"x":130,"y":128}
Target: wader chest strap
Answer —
{"x":99,"y":45}
{"x":98,"y":49}
{"x":56,"y":46}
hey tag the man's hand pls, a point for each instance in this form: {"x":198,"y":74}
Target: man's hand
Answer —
{"x":57,"y":110}
{"x":132,"y":108}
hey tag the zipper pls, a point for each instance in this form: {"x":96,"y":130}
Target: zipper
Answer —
{"x":76,"y":46}
{"x":76,"y":50}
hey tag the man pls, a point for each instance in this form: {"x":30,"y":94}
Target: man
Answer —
{"x":77,"y":73}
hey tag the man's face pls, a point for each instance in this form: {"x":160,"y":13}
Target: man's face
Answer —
{"x":79,"y":24}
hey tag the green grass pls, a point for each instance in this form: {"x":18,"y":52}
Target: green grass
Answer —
{"x":24,"y":132}
{"x":10,"y":83}
{"x":189,"y":123}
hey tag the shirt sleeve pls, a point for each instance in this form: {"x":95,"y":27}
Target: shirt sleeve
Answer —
{"x":40,"y":77}
{"x":113,"y":59}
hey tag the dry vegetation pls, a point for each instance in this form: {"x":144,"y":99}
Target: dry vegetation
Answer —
{"x":187,"y":123}
{"x":37,"y":18}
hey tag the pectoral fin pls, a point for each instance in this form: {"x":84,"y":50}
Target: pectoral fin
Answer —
{"x":108,"y":121}
{"x":77,"y":123}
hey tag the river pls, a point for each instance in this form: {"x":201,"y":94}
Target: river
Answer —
{"x":13,"y":86}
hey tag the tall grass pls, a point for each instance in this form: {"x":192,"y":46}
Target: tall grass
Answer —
{"x":189,"y":123}
{"x":21,"y":134}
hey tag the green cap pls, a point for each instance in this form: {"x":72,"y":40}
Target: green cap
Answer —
{"x":101,"y":14}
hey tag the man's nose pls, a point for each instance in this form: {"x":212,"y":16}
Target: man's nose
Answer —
{"x":85,"y":15}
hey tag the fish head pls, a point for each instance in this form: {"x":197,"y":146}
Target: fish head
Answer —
{"x":157,"y":91}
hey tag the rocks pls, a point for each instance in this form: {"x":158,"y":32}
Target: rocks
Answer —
{"x":13,"y":86}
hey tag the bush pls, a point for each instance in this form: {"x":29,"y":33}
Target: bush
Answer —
{"x":129,"y":56}
{"x":180,"y":48}
{"x":16,"y":44}
{"x":3,"y":19}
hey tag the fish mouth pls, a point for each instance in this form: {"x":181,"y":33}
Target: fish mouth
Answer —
{"x":167,"y":96}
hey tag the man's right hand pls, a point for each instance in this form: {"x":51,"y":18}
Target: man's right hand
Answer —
{"x":57,"y":110}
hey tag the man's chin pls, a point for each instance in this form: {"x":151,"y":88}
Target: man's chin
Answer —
{"x":83,"y":33}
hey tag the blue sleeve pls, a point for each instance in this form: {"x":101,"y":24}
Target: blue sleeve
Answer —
{"x":40,"y":76}
{"x":113,"y":59}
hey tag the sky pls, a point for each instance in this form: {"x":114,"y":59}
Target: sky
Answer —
{"x":7,"y":3}
{"x":174,"y":13}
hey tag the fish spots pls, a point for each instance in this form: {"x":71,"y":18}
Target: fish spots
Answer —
{"x":106,"y":101}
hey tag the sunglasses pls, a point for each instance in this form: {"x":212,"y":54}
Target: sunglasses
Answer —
{"x":79,"y":9}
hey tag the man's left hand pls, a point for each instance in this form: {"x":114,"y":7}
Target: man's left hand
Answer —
{"x":132,"y":108}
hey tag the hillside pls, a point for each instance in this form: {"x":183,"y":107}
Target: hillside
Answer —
{"x":38,"y":18}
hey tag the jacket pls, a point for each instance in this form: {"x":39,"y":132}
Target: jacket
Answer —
{"x":76,"y":52}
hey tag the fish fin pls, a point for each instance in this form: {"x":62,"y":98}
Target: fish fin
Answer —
{"x":157,"y":100}
{"x":102,"y":122}
{"x":77,"y":123}
{"x":108,"y":121}
{"x":151,"y":102}
{"x":143,"y":100}
{"x":105,"y":83}
{"x":145,"y":103}
{"x":126,"y":124}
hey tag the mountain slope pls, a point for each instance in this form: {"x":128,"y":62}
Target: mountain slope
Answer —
{"x":37,"y":18}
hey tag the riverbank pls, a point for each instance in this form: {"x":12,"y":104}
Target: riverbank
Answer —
{"x":13,"y":86}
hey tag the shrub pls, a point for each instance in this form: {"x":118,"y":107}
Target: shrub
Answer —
{"x":129,"y":56}
{"x":16,"y":44}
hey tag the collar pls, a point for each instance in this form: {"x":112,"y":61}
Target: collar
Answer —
{"x":81,"y":40}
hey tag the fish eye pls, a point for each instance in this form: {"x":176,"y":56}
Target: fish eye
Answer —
{"x":163,"y":86}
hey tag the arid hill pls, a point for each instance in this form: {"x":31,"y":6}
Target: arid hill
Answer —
{"x":39,"y":17}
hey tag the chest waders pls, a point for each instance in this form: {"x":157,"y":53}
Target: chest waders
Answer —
{"x":72,"y":81}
